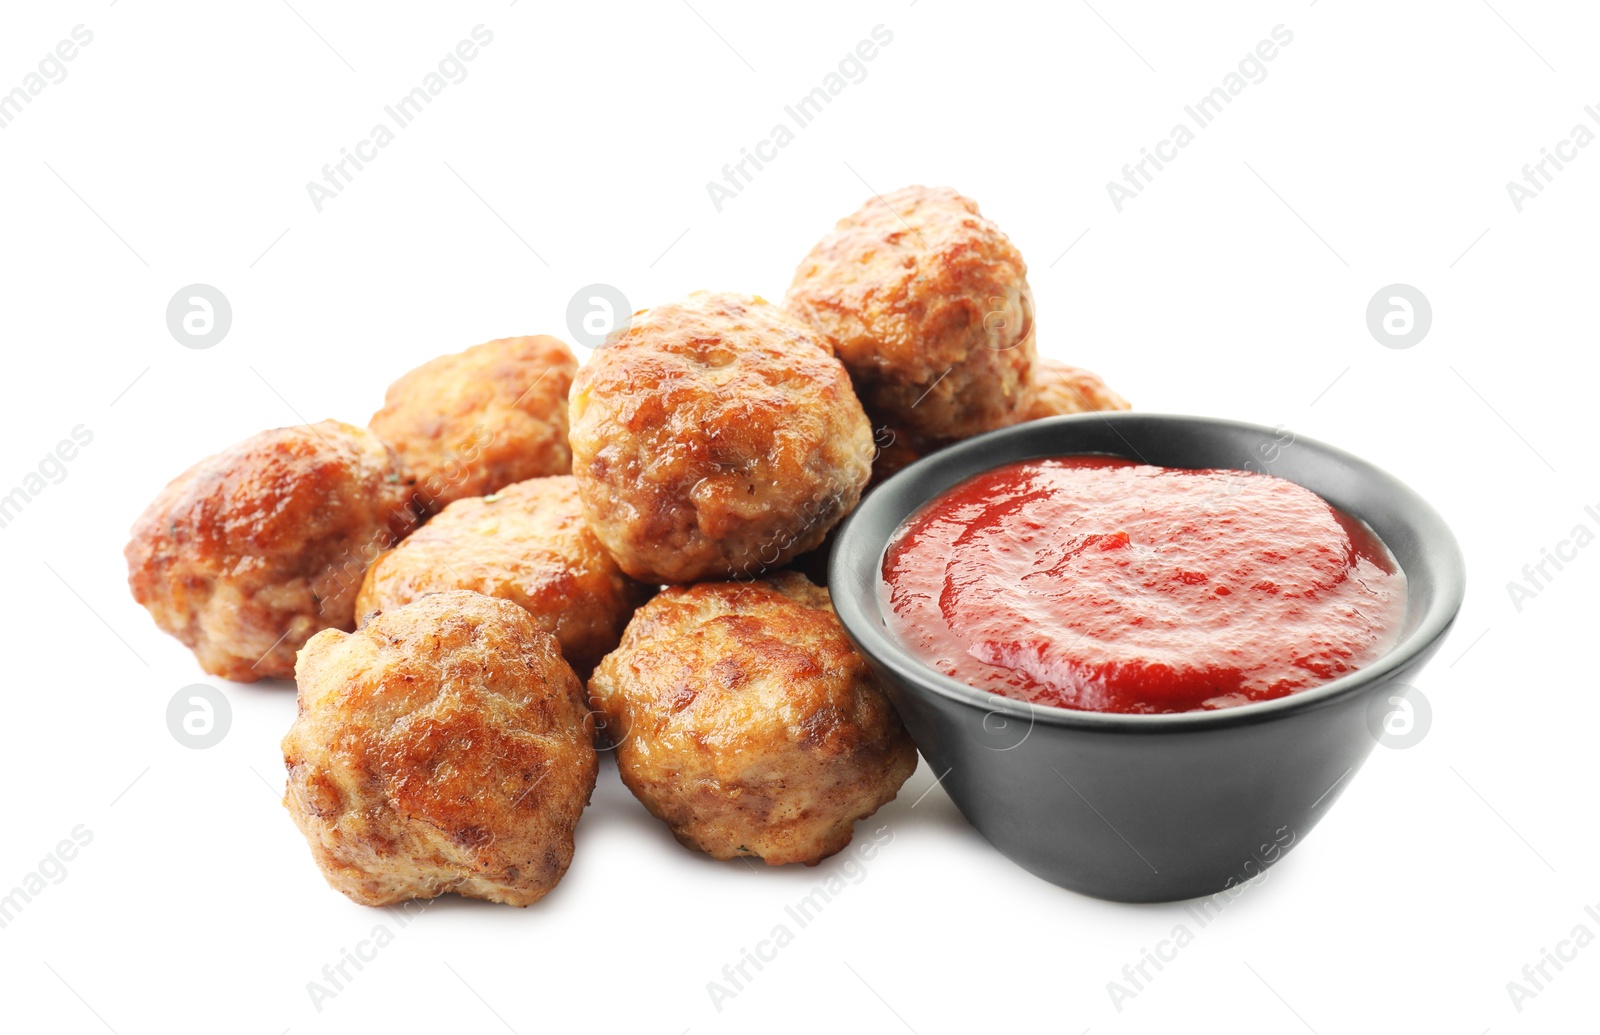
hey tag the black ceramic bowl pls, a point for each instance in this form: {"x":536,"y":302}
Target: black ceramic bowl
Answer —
{"x":1149,"y":808}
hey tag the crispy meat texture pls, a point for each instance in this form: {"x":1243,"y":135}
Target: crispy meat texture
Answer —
{"x":747,"y":721}
{"x":445,"y":747}
{"x":715,"y":437}
{"x":527,"y":543}
{"x":1058,"y":389}
{"x":928,"y":305}
{"x":249,"y":552}
{"x":469,"y":423}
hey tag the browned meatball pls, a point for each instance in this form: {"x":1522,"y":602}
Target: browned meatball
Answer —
{"x":715,"y":437}
{"x":527,"y":543}
{"x":1058,"y":389}
{"x":928,"y":305}
{"x":748,"y":722}
{"x":248,"y":553}
{"x":469,"y":423}
{"x":444,"y":747}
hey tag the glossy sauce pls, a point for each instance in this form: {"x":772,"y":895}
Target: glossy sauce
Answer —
{"x":1095,"y":583}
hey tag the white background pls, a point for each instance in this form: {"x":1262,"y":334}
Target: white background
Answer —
{"x":1376,"y":151}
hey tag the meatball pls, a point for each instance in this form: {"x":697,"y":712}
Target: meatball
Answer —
{"x":443,"y":747}
{"x":928,"y":305}
{"x":1058,"y":389}
{"x":248,"y":553}
{"x":715,"y":437}
{"x":469,"y":423}
{"x":747,"y":721}
{"x":527,"y":543}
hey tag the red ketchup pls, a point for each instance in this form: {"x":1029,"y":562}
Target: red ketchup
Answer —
{"x":1099,"y":584}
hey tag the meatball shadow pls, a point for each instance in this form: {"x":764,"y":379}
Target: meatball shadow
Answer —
{"x":450,"y":902}
{"x":920,"y":803}
{"x":613,"y":806}
{"x":270,"y":686}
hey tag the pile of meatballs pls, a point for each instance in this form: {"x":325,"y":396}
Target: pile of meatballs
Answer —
{"x":520,"y":564}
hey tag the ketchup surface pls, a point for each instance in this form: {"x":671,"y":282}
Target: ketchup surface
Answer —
{"x":1099,"y":584}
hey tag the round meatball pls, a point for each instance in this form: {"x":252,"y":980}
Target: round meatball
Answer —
{"x":527,"y":543}
{"x":248,"y":553}
{"x":469,"y":423}
{"x":1058,"y":389}
{"x":928,"y":305}
{"x":715,"y":437}
{"x":746,"y":720}
{"x":443,"y":747}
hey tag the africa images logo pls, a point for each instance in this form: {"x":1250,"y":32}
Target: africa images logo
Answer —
{"x":851,"y":70}
{"x":1252,"y":69}
{"x":450,"y":70}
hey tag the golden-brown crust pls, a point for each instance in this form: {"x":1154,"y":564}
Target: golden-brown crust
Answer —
{"x":1058,"y":389}
{"x":469,"y":423}
{"x":249,"y":552}
{"x":715,"y":437}
{"x":527,"y":543}
{"x":928,"y":305}
{"x":748,"y":722}
{"x":445,"y":747}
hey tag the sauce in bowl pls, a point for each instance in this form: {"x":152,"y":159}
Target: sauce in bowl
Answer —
{"x":1100,"y":584}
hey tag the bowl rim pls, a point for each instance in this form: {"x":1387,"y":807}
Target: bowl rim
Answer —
{"x":1439,"y":555}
